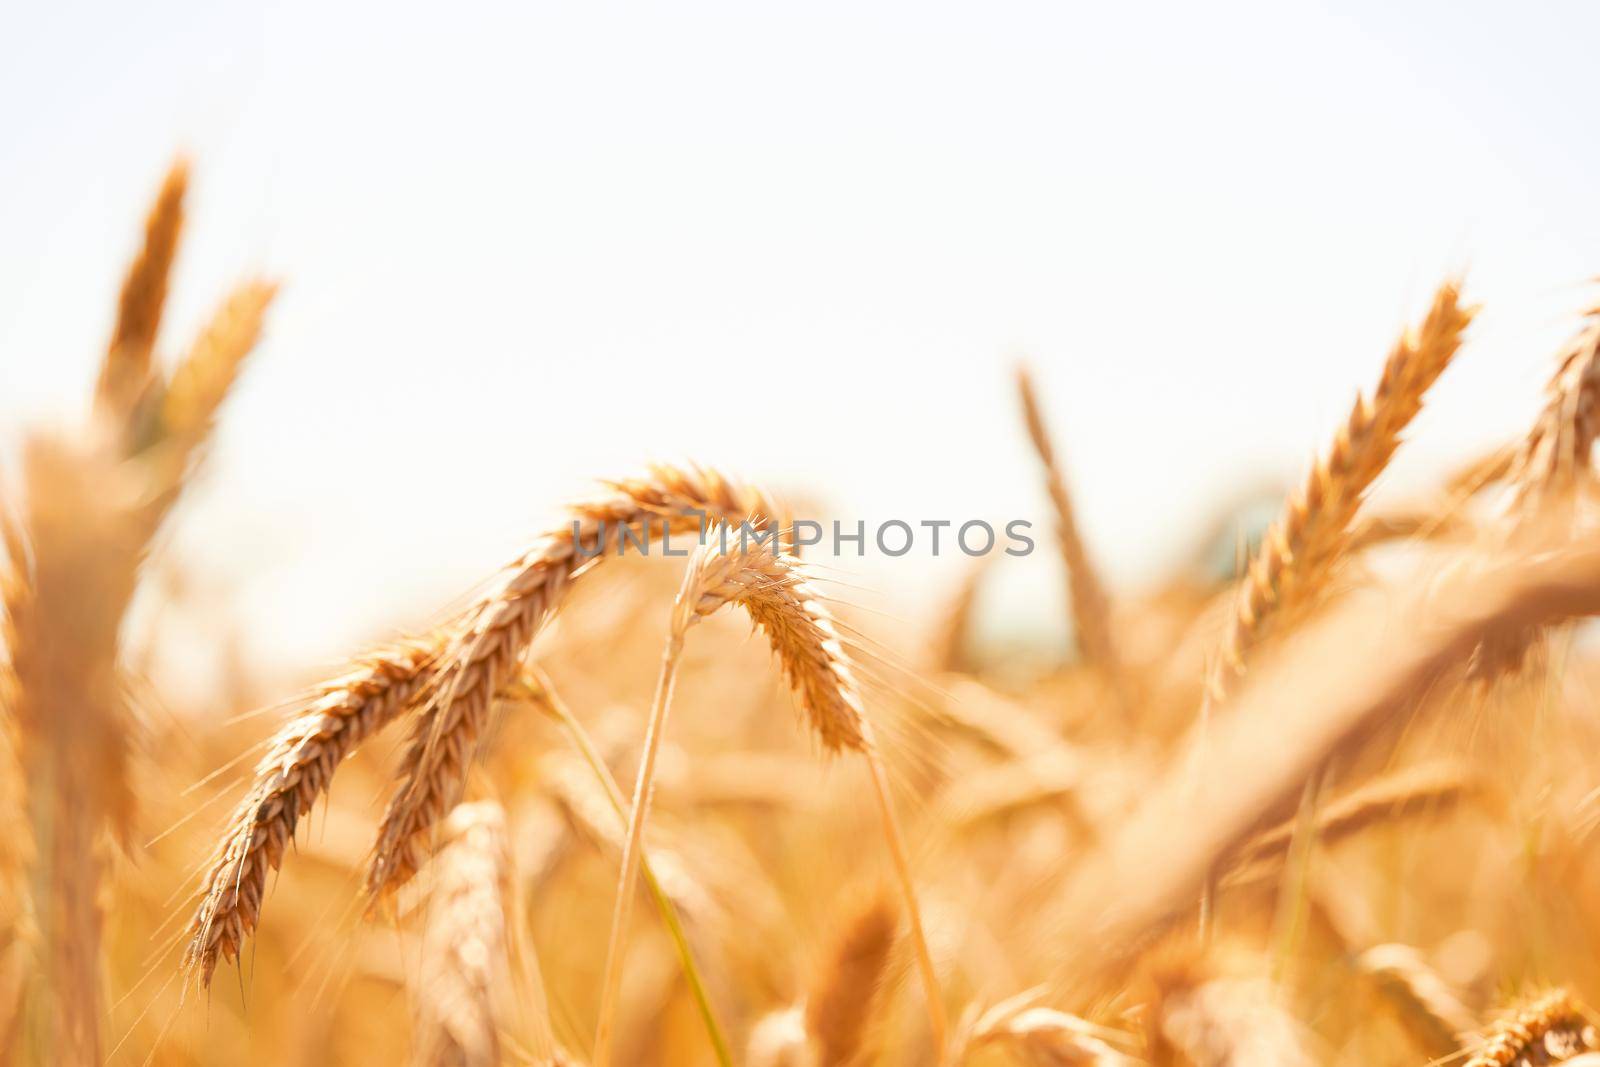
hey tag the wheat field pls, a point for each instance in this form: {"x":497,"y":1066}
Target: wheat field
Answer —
{"x":1332,"y":805}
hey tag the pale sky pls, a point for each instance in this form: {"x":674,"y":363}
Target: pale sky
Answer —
{"x":528,"y":245}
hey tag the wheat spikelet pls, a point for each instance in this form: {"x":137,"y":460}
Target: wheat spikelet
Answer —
{"x":465,"y":962}
{"x":1091,"y":612}
{"x":1293,"y":562}
{"x":845,"y":991}
{"x":1428,"y":1009}
{"x":126,"y":371}
{"x":1548,"y":1028}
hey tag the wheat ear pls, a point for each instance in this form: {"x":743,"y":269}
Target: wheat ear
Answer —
{"x":783,"y":605}
{"x":846,"y":989}
{"x":1091,"y":612}
{"x":290,"y":778}
{"x":424,"y":677}
{"x":1427,"y":788}
{"x":1295,"y":558}
{"x":1549,"y":473}
{"x":1550,"y":1026}
{"x":465,"y":957}
{"x":126,"y":370}
{"x":487,"y":647}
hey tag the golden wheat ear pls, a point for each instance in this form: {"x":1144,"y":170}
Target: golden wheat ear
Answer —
{"x":1547,"y":1028}
{"x":464,"y":975}
{"x":485,"y":649}
{"x":769,"y":586}
{"x":1296,"y":557}
{"x":126,"y":370}
{"x":446,"y":681}
{"x":847,"y":990}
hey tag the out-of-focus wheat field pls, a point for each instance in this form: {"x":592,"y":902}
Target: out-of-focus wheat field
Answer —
{"x":1323,"y":798}
{"x":1309,"y":782}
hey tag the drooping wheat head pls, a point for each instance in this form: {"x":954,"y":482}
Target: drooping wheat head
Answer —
{"x":446,"y":679}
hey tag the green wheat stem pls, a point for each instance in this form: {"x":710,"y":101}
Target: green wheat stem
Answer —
{"x":669,"y":914}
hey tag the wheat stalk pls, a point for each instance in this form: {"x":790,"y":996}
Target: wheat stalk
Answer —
{"x":782,"y":604}
{"x":74,"y":556}
{"x":536,"y":686}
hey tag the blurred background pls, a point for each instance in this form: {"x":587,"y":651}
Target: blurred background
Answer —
{"x":525,"y":246}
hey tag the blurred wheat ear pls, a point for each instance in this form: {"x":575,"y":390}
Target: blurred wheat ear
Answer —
{"x":86,"y":510}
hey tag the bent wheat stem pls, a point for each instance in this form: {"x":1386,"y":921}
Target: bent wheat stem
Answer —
{"x":783,"y":605}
